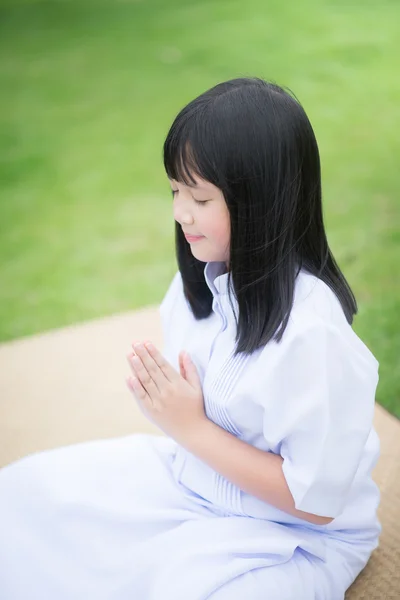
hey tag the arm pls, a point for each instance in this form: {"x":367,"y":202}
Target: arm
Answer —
{"x":319,"y":417}
{"x":254,"y":471}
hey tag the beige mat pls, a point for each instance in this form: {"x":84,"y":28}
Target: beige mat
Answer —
{"x":68,"y":386}
{"x":380,"y":580}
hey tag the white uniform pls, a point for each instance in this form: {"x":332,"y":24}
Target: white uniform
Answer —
{"x":141,"y":518}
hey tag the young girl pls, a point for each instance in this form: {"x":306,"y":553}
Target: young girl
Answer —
{"x":261,"y":488}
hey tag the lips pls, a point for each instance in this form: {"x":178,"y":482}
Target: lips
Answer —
{"x":193,"y":238}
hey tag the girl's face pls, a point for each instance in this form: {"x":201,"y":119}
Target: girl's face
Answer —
{"x":201,"y":211}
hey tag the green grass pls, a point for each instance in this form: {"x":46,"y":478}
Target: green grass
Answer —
{"x":89,"y":89}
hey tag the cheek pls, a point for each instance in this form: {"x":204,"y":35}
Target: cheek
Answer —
{"x":221,"y":234}
{"x":219,"y":227}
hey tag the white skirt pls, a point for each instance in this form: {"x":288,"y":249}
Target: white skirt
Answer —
{"x":106,"y":520}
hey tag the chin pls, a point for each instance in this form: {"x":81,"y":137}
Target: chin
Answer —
{"x":207,"y":257}
{"x":201,"y":256}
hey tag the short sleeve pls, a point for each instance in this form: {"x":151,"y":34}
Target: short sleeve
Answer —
{"x":319,"y":404}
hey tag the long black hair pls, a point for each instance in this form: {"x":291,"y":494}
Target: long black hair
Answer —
{"x":253,"y":140}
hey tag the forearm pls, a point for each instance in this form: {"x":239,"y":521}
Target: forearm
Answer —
{"x":254,"y":471}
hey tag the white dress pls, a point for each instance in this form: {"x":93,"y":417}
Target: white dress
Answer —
{"x":141,"y":518}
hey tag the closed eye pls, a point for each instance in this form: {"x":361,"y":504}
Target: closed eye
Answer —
{"x":197,"y":201}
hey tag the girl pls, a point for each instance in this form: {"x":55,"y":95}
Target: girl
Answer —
{"x":262,"y":486}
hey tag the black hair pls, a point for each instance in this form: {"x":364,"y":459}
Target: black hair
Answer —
{"x":253,"y":140}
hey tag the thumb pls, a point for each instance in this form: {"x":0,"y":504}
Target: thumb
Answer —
{"x":192,"y":375}
{"x":181,"y":365}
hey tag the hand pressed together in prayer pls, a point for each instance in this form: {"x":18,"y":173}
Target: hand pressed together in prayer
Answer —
{"x":173,"y":401}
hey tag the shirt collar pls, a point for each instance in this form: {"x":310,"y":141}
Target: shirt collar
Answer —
{"x":216,"y":278}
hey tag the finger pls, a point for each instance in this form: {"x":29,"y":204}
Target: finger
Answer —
{"x":136,"y":387}
{"x":141,"y":373}
{"x":142,"y":398}
{"x":133,"y":346}
{"x":192,"y":375}
{"x":152,"y":367}
{"x":182,"y":366}
{"x":168,"y":370}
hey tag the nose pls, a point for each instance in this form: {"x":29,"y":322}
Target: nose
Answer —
{"x":182,"y":213}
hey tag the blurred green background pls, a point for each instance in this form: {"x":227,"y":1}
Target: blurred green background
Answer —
{"x":88,"y":92}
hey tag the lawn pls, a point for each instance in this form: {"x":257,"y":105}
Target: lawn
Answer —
{"x":89,"y":89}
